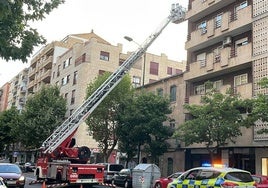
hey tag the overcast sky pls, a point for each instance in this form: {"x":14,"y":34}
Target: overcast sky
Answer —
{"x":111,"y":20}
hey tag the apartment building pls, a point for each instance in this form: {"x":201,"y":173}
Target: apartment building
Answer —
{"x":18,"y":90}
{"x":227,"y":44}
{"x":174,"y":88}
{"x":40,"y":70}
{"x":83,"y":62}
{"x":4,"y":90}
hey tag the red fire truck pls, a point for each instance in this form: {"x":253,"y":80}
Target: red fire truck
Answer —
{"x":59,"y":160}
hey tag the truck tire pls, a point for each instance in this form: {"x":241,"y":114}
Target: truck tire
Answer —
{"x":58,"y":177}
{"x":84,"y":153}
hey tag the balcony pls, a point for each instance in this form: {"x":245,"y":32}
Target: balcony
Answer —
{"x":48,"y":62}
{"x":221,"y":63}
{"x":259,"y":125}
{"x":32,"y":73}
{"x":31,"y":85}
{"x":22,"y":100}
{"x":230,"y":26}
{"x":23,"y":89}
{"x":45,"y":77}
{"x":195,"y":99}
{"x":200,"y":9}
{"x":245,"y":91}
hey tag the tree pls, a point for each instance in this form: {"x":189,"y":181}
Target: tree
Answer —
{"x":17,"y":38}
{"x":102,"y":123}
{"x":141,"y":123}
{"x":10,"y":126}
{"x":44,"y":111}
{"x":260,"y":106}
{"x":217,"y":120}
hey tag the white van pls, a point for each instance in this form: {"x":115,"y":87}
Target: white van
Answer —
{"x":110,"y":170}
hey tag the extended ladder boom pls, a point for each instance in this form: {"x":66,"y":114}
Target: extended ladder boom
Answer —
{"x":177,"y":15}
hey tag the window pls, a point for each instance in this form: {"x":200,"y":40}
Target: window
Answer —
{"x":242,"y":5}
{"x":217,"y":85}
{"x":58,"y":71}
{"x":136,"y":81}
{"x":172,"y":123}
{"x":202,"y":59}
{"x":178,"y":71}
{"x":104,"y":56}
{"x":240,"y":79}
{"x":71,"y":111}
{"x":173,"y":93}
{"x":154,"y":68}
{"x":241,"y":42}
{"x":170,"y":165}
{"x":65,"y":80}
{"x":202,"y":27}
{"x":67,"y":63}
{"x":75,"y":78}
{"x":121,"y":61}
{"x":200,"y":89}
{"x":73,"y":97}
{"x":217,"y":54}
{"x":218,"y":21}
{"x":159,"y":92}
{"x":66,"y":96}
{"x":80,"y":59}
{"x":169,"y":70}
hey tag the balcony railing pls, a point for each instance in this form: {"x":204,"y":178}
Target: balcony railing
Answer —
{"x":259,"y":125}
{"x":229,"y":25}
{"x":226,"y":58}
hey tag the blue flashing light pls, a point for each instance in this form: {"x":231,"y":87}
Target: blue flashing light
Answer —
{"x":206,"y":165}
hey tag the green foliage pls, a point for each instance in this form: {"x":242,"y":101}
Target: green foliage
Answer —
{"x":10,"y":126}
{"x":17,"y":38}
{"x":140,"y":122}
{"x":217,"y":120}
{"x":102,"y":123}
{"x":260,"y":106}
{"x":44,"y":111}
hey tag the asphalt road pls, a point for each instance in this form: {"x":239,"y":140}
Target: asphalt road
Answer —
{"x":30,"y":179}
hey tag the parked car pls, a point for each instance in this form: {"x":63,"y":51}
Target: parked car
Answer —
{"x":21,"y":165}
{"x":29,"y":167}
{"x":12,"y":175}
{"x":110,"y":170}
{"x":164,"y":181}
{"x":2,"y":184}
{"x":214,"y":177}
{"x":123,"y":178}
{"x":261,"y":180}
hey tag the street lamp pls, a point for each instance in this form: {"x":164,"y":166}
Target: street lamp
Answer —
{"x":144,"y":57}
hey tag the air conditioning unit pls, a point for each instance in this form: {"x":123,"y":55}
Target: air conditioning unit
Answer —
{"x":227,"y":41}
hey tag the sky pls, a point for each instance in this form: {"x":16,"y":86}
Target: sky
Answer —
{"x":111,"y":20}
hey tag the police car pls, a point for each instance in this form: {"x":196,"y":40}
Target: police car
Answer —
{"x":214,"y":177}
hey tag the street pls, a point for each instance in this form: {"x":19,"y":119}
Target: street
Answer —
{"x":30,"y":179}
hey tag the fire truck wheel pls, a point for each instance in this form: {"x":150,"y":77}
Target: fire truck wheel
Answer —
{"x":58,"y":177}
{"x":37,"y":174}
{"x":84,"y":153}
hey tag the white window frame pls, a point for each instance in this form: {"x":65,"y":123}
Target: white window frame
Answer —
{"x":218,"y":20}
{"x":202,"y":27}
{"x":217,"y":84}
{"x":202,"y":59}
{"x":199,"y":90}
{"x":241,"y":42}
{"x":240,"y":79}
{"x":136,"y":81}
{"x":242,"y":5}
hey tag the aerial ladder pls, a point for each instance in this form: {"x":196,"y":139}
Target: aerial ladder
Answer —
{"x":177,"y":15}
{"x":63,"y":134}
